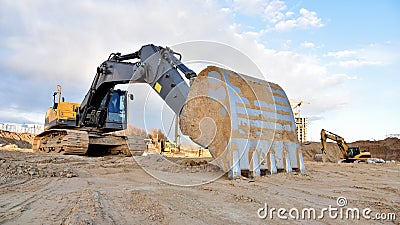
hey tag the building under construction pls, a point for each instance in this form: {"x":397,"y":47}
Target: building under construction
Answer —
{"x":301,"y":122}
{"x":301,"y":128}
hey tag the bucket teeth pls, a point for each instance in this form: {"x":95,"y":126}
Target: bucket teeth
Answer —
{"x":247,"y":123}
{"x":272,"y":168}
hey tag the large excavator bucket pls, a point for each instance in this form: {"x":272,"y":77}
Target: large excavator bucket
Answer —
{"x":246,"y":123}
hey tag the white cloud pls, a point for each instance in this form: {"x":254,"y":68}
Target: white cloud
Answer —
{"x":303,"y":77}
{"x":273,"y":11}
{"x":286,"y":44}
{"x":58,"y":46}
{"x":289,"y":14}
{"x":359,"y":63}
{"x":269,"y":10}
{"x":254,"y":7}
{"x":307,"y":45}
{"x":308,"y":19}
{"x":225,"y":10}
{"x":342,"y":54}
{"x":15,"y":115}
{"x":369,"y":56}
{"x":339,"y":78}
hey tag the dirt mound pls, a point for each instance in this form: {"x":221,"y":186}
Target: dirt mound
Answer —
{"x":178,"y":165}
{"x":193,"y":163}
{"x":22,"y":140}
{"x":388,"y":149}
{"x":309,"y":150}
{"x":16,"y":165}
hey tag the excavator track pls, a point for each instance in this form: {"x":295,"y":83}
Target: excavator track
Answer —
{"x":75,"y":142}
{"x":63,"y":141}
{"x":117,"y":144}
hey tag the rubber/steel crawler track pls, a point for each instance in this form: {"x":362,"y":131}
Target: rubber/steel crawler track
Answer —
{"x":64,"y":141}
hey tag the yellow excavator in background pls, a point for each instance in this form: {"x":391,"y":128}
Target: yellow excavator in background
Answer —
{"x":61,"y":113}
{"x":349,"y":154}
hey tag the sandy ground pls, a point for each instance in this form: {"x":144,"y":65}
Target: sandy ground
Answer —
{"x":53,"y":189}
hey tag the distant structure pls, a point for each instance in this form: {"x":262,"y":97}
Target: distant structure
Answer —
{"x":22,"y":128}
{"x":301,"y":122}
{"x":301,"y":128}
{"x":393,"y":136}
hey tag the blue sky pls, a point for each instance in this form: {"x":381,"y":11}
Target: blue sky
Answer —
{"x":342,"y":57}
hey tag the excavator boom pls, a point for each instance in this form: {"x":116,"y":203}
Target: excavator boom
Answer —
{"x":334,"y":137}
{"x":155,"y":65}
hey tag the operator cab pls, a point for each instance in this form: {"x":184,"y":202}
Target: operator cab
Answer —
{"x":116,"y":111}
{"x":353,"y":151}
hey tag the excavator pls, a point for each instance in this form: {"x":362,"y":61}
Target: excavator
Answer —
{"x":349,"y":154}
{"x":254,"y":118}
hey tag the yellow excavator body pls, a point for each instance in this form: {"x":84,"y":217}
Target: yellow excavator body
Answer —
{"x":61,"y":114}
{"x":348,"y":154}
{"x":65,"y":113}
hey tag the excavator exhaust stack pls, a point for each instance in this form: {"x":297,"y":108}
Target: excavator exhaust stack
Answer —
{"x":247,"y":123}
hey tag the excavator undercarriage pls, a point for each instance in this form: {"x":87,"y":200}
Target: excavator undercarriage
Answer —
{"x":63,"y":141}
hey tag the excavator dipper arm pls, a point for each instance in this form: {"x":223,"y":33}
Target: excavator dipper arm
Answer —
{"x":155,"y":65}
{"x":334,"y":137}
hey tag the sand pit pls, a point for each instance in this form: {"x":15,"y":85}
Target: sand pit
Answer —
{"x":56,"y":189}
